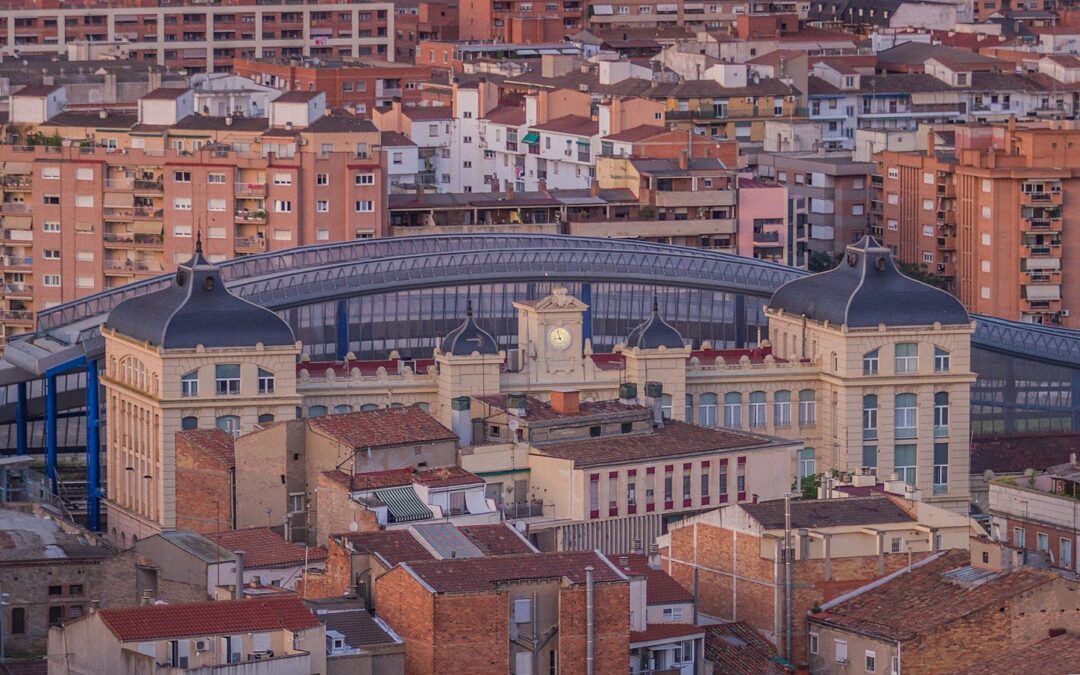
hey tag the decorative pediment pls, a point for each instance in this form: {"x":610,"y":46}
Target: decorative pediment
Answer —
{"x":560,"y":300}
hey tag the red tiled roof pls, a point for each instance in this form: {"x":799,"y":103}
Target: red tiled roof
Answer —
{"x":660,"y":588}
{"x":537,"y":410}
{"x":497,"y":539}
{"x":665,"y":631}
{"x":427,"y":112}
{"x":465,"y":575}
{"x":155,"y":622}
{"x":637,"y":133}
{"x":446,"y":476}
{"x":924,"y":600}
{"x":1056,"y":655}
{"x":738,"y":649}
{"x":818,"y":513}
{"x":377,"y":480}
{"x":265,"y":548}
{"x":1014,"y":453}
{"x":674,"y":439}
{"x":506,"y":114}
{"x":382,"y":428}
{"x":216,"y":443}
{"x":573,"y":125}
{"x":393,"y":546}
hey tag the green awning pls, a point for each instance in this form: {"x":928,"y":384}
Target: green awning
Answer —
{"x":403,"y":504}
{"x":531,"y":137}
{"x":584,"y":143}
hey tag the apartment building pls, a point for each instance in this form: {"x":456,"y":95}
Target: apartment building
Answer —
{"x":360,"y":85}
{"x":1033,"y":513}
{"x":732,"y":555}
{"x":430,"y":128}
{"x":122,"y":196}
{"x":422,"y":20}
{"x":764,"y":229}
{"x":202,"y":38}
{"x":517,"y":22}
{"x":986,"y":210}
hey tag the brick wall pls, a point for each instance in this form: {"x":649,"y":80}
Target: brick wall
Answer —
{"x":409,"y":610}
{"x":611,"y":621}
{"x":471,"y":633}
{"x":335,"y":511}
{"x":203,"y":490}
{"x":334,"y":581}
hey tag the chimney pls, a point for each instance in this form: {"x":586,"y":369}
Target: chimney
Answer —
{"x":654,"y":393}
{"x":509,"y":190}
{"x":111,"y":90}
{"x":515,"y":404}
{"x":594,"y":189}
{"x":543,"y":188}
{"x":228,"y":120}
{"x":684,"y":160}
{"x":147,"y":598}
{"x":628,"y":393}
{"x":624,"y":562}
{"x":1072,"y":458}
{"x":461,"y":420}
{"x":239,"y":586}
{"x":566,"y":402}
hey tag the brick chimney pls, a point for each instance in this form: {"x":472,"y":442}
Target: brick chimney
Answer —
{"x":509,"y":190}
{"x":594,"y":189}
{"x":684,"y":160}
{"x":565,"y":402}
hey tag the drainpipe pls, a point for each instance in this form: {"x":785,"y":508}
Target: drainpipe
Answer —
{"x":787,"y":578}
{"x":589,"y":620}
{"x":238,"y":591}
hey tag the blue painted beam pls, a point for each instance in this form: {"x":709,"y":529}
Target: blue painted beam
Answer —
{"x":93,"y":450}
{"x":20,"y":419}
{"x":50,"y":433}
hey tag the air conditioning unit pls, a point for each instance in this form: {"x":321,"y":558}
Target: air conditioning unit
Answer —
{"x":201,"y":645}
{"x":1065,"y":312}
{"x":514,"y":360}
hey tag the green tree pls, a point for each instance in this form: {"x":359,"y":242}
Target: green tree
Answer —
{"x":821,"y":261}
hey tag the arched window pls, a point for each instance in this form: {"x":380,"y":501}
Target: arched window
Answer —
{"x":757,"y":409}
{"x":189,"y":423}
{"x":905,"y":416}
{"x":229,"y":424}
{"x":665,"y":406}
{"x":227,"y":379}
{"x":266,"y":382}
{"x":869,"y":416}
{"x":424,"y":405}
{"x":189,"y":384}
{"x":368,"y":407}
{"x":807,"y":408}
{"x":396,"y":406}
{"x":342,"y":409}
{"x":733,"y":409}
{"x":266,"y":418}
{"x":941,"y":414}
{"x":316,"y":410}
{"x":870,"y":363}
{"x":782,"y":408}
{"x":707,"y":410}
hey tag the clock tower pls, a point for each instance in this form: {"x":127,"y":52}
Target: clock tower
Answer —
{"x":551,"y":338}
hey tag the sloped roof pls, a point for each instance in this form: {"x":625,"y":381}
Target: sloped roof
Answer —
{"x":214,"y":442}
{"x":265,"y":548}
{"x":738,"y":649}
{"x":384,"y":427}
{"x":224,"y":617}
{"x":819,"y":513}
{"x":481,"y":574}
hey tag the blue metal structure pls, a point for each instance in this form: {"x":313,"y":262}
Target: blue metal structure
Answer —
{"x":370,"y":297}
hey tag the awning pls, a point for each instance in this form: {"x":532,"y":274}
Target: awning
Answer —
{"x":602,"y":10}
{"x":403,"y":504}
{"x":18,"y":167}
{"x":194,"y":53}
{"x":84,"y":227}
{"x":147,"y":227}
{"x":663,"y":9}
{"x":584,"y":143}
{"x":1042,"y":292}
{"x":18,"y":222}
{"x":119,"y":199}
{"x":322,"y":31}
{"x":1043,"y":264}
{"x":531,"y":137}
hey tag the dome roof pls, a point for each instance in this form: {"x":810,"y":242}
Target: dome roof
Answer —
{"x":865,"y":290}
{"x":469,"y":337}
{"x":195,"y":310}
{"x":654,"y":333}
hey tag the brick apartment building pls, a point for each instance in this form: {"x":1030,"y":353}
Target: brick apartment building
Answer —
{"x":840,"y":544}
{"x":359,"y":85}
{"x":127,"y":194}
{"x":202,"y":37}
{"x":990,"y":214}
{"x":522,"y":612}
{"x":422,"y":20}
{"x":518,"y":22}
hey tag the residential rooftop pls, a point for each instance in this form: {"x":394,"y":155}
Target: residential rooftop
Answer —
{"x":263,"y":547}
{"x":482,"y":574}
{"x":824,"y":513}
{"x":385,"y":427}
{"x":224,"y":617}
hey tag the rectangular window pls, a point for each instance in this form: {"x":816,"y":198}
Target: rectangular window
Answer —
{"x":631,"y":491}
{"x":869,"y":456}
{"x":686,"y":485}
{"x":84,"y":173}
{"x":841,"y":651}
{"x":757,"y":409}
{"x":807,"y":408}
{"x":182,"y":203}
{"x":907,"y":357}
{"x":215,"y":205}
{"x":782,"y":409}
{"x":650,"y":489}
{"x":941,"y":414}
{"x":870,"y":661}
{"x":182,"y":176}
{"x":51,"y":254}
{"x":282,"y":206}
{"x":181,"y":230}
{"x":904,"y":463}
{"x":672,"y":615}
{"x":613,"y":494}
{"x":704,"y":483}
{"x":594,"y":495}
{"x":740,"y":478}
{"x":1018,"y":537}
{"x":1065,"y":553}
{"x":669,"y":478}
{"x":322,"y":179}
{"x":365,"y":206}
{"x":282,"y":179}
{"x":84,"y":201}
{"x":813,"y":643}
{"x":56,"y":615}
{"x":523,"y":610}
{"x":50,"y":173}
{"x":51,"y":280}
{"x":807,"y":463}
{"x":50,"y":226}
{"x":905,"y":416}
{"x":941,"y":360}
{"x":215,"y":178}
{"x":1042,"y":542}
{"x":227,"y":379}
{"x":870,"y":363}
{"x":721,"y":476}
{"x":322,"y":206}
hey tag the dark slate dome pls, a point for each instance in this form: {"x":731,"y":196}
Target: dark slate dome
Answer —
{"x":468,"y":338}
{"x":195,"y":310}
{"x":866,"y":289}
{"x":654,"y":333}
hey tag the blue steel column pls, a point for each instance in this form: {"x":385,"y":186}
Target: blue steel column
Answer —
{"x":93,"y":449}
{"x":20,"y":419}
{"x":586,"y":317}
{"x":342,"y":329}
{"x":50,"y":432}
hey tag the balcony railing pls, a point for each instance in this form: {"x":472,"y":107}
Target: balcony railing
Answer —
{"x":134,"y":238}
{"x":17,"y":289}
{"x":148,"y":185}
{"x":131,"y":212}
{"x":250,"y":244}
{"x":16,"y":315}
{"x":527,"y":509}
{"x":15,"y":207}
{"x":17,"y":261}
{"x":15,"y":181}
{"x":131,"y":266}
{"x":249,"y":189}
{"x":250,"y":216}
{"x":119,"y":183}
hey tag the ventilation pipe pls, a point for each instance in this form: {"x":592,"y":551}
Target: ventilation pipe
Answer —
{"x":461,"y":420}
{"x":238,"y":592}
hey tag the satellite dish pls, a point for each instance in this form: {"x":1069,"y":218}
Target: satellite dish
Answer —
{"x":513,"y":424}
{"x":520,"y":526}
{"x":353,"y":526}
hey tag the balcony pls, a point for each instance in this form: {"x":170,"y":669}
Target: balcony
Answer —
{"x":250,"y":244}
{"x":1040,"y":198}
{"x":148,"y":185}
{"x":16,"y":316}
{"x":119,"y":183}
{"x":130,"y":212}
{"x":127,"y":267}
{"x":528,"y":509}
{"x":17,"y":290}
{"x":1040,"y":251}
{"x":15,"y":207}
{"x":17,"y":261}
{"x":648,"y":229}
{"x":244,"y":216}
{"x":134,"y":239}
{"x":249,"y":189}
{"x":766,"y":237}
{"x":14,"y":181}
{"x":1042,"y":277}
{"x":681,"y":198}
{"x":1040,"y":306}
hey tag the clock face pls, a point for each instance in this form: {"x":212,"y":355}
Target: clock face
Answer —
{"x":559,"y":338}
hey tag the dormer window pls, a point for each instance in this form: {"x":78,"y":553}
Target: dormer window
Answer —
{"x":189,"y":384}
{"x":227,"y":379}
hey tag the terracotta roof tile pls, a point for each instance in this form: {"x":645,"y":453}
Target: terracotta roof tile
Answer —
{"x":660,"y":588}
{"x":924,"y":600}
{"x":1056,"y":655}
{"x":393,"y":546}
{"x":382,"y":428}
{"x":427,"y":112}
{"x":497,"y":539}
{"x":446,"y":476}
{"x":466,"y":575}
{"x":665,"y":631}
{"x":640,"y":132}
{"x":815,"y":513}
{"x":506,"y":114}
{"x":216,"y":443}
{"x":265,"y":548}
{"x":674,"y":439}
{"x":738,"y":649}
{"x":574,"y":125}
{"x":197,"y":619}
